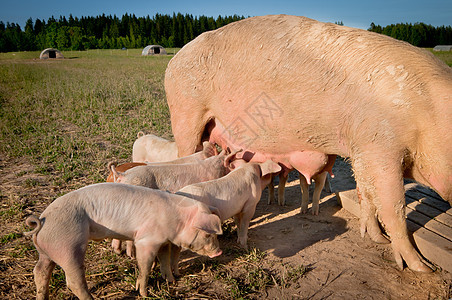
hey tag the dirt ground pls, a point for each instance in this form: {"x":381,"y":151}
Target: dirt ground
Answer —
{"x":304,"y":256}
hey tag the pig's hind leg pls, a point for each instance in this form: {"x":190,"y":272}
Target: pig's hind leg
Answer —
{"x":74,"y":268}
{"x":319,"y":184}
{"x":282,"y":188}
{"x":43,"y":272}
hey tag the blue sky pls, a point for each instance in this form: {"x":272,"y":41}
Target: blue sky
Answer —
{"x":355,"y":13}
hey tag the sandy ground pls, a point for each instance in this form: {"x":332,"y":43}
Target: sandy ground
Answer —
{"x":341,"y":264}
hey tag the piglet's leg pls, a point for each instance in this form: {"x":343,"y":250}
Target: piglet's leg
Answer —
{"x":271,"y":191}
{"x":247,"y":215}
{"x":130,"y":249}
{"x":175,"y":254}
{"x":282,"y":188}
{"x":304,"y":194}
{"x":116,"y":245}
{"x":43,"y":272}
{"x":319,"y":184}
{"x":164,"y":257}
{"x":146,"y":253}
{"x":75,"y":274}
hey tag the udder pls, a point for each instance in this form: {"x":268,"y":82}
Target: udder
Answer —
{"x":307,"y":162}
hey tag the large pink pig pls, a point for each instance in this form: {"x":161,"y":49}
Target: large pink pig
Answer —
{"x":299,"y":91}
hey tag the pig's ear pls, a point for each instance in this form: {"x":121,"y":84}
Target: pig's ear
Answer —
{"x":209,"y":149}
{"x":215,"y":211}
{"x":209,"y":223}
{"x":230,"y":158}
{"x":269,"y":167}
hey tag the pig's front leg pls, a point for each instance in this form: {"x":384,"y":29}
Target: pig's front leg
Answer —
{"x":244,"y":222}
{"x":380,"y":178}
{"x":369,"y":220}
{"x":146,"y":252}
{"x":175,"y":254}
{"x":164,"y":256}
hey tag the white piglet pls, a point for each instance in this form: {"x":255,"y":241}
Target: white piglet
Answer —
{"x":151,"y":218}
{"x":151,"y":148}
{"x":234,"y":195}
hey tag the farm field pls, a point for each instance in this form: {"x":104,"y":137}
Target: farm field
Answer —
{"x":62,"y":121}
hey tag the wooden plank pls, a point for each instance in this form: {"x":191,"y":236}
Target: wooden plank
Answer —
{"x":429,"y":223}
{"x":349,"y":201}
{"x":435,"y":249}
{"x":432,"y":246}
{"x":422,"y":194}
{"x":429,"y":211}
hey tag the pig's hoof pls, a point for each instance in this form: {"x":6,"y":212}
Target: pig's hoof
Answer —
{"x":243,"y":244}
{"x":419,"y":266}
{"x":315,"y":213}
{"x":142,"y":290}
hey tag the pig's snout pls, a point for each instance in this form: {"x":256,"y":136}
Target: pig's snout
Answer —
{"x":216,"y":254}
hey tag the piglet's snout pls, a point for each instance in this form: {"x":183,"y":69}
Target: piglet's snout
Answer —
{"x":216,"y":254}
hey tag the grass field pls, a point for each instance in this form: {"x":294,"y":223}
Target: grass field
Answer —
{"x":61,"y":122}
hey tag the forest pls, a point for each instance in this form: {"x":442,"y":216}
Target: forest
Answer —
{"x":129,"y":31}
{"x":107,"y":32}
{"x":418,"y":34}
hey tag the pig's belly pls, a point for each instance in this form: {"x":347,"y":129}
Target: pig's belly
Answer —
{"x":307,"y":162}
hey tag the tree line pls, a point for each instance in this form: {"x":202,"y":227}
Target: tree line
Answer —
{"x":107,"y":32}
{"x":418,"y":34}
{"x":129,"y":31}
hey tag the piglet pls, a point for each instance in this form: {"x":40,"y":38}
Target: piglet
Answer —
{"x":151,"y":218}
{"x":172,"y":177}
{"x":234,"y":195}
{"x":208,"y":150}
{"x":151,"y":148}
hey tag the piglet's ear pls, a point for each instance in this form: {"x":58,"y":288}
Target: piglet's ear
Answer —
{"x":209,"y":149}
{"x":215,"y":210}
{"x":209,"y":223}
{"x":269,"y":167}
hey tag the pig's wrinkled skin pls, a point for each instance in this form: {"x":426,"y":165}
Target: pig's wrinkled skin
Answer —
{"x":150,"y":218}
{"x":296,"y":90}
{"x":152,"y":148}
{"x":319,"y":179}
{"x":234,"y":195}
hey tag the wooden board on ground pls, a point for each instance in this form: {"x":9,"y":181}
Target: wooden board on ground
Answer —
{"x":429,"y":219}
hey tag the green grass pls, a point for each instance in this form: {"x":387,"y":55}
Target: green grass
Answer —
{"x":60,"y":113}
{"x":445,"y":56}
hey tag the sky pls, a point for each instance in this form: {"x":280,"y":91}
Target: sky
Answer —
{"x":354,"y":13}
